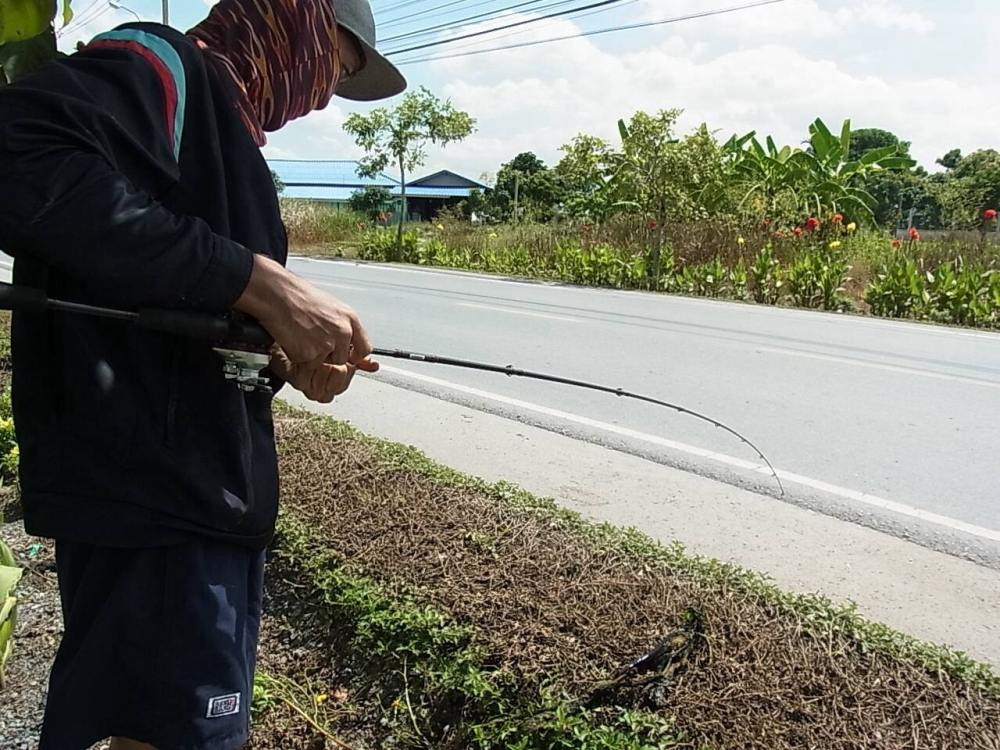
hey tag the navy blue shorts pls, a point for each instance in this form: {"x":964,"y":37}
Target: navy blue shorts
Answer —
{"x":159,"y":646}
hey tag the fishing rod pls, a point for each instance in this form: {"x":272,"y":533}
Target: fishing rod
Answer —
{"x":245,"y":347}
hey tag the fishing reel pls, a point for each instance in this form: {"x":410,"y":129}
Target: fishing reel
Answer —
{"x":243,"y":345}
{"x":245,"y":367}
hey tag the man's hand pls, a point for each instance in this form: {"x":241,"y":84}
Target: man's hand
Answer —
{"x":311,"y":327}
{"x":323,"y":383}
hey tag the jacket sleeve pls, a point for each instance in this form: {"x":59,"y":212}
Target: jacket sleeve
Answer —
{"x":68,"y":207}
{"x":67,"y":201}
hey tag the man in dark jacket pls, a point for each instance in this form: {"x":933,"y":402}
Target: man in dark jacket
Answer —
{"x":131,"y":177}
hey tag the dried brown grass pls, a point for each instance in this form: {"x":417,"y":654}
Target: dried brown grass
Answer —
{"x":556,"y":609}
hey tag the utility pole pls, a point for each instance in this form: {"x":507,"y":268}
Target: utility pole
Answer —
{"x":517,"y":191}
{"x":166,"y":12}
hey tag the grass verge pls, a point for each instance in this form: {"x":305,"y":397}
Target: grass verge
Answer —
{"x":476,"y":615}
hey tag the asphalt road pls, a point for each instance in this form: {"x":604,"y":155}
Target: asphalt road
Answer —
{"x":895,"y":426}
{"x":892,"y":425}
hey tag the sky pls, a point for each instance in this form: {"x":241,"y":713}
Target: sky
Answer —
{"x":924,"y":69}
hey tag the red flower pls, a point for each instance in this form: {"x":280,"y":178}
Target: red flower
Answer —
{"x":838,"y":218}
{"x":914,"y":234}
{"x":990,"y":214}
{"x":797,"y":231}
{"x":652,"y":224}
{"x":897,"y":244}
{"x":812,"y":223}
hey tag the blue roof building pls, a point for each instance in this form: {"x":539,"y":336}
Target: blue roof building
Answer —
{"x":336,"y":181}
{"x":328,"y":181}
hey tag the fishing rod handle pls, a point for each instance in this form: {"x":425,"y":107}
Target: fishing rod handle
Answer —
{"x":22,"y":298}
{"x":205,"y":327}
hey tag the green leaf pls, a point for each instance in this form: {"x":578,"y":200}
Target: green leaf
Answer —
{"x":878,"y":154}
{"x":21,"y":20}
{"x":67,"y":11}
{"x":18,"y":59}
{"x":6,"y":558}
{"x":896,"y":162}
{"x":8,"y":580}
{"x":845,"y":137}
{"x":623,"y":130}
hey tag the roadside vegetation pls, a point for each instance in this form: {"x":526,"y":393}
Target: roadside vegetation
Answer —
{"x":847,"y":222}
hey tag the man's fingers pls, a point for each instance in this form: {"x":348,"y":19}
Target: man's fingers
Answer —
{"x":361,"y":344}
{"x":343,"y":341}
{"x":368,"y":365}
{"x":329,"y":381}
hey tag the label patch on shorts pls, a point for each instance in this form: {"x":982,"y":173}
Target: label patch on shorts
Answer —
{"x":223,"y":705}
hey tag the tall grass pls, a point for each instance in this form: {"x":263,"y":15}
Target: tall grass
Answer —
{"x":313,"y":224}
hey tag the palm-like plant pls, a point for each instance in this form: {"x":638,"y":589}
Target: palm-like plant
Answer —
{"x":820,"y":179}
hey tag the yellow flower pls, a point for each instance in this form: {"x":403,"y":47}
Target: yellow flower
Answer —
{"x":835,"y":244}
{"x":493,"y":235}
{"x":852,"y":227}
{"x":740,"y":241}
{"x":321,"y":698}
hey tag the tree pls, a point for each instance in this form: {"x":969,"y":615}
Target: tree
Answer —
{"x":971,"y":185}
{"x":27,"y":35}
{"x":952,"y":159}
{"x":371,"y":201}
{"x":279,"y":185}
{"x":864,"y":140}
{"x":897,"y":193}
{"x":583,"y":173}
{"x":664,"y":178}
{"x":527,"y":183}
{"x":400,"y":136}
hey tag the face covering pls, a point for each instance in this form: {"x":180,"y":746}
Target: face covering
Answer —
{"x":281,"y":54}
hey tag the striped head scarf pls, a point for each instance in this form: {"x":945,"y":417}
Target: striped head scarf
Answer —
{"x":281,"y":54}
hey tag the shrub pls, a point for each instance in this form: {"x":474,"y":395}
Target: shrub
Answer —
{"x":962,"y":294}
{"x":704,"y":280}
{"x":816,"y":279}
{"x":897,"y":290}
{"x":766,"y":277}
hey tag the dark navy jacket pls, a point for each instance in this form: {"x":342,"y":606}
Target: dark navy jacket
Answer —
{"x":127,"y":179}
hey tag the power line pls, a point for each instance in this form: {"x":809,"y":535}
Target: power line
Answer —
{"x":403,"y":4}
{"x":80,"y":17}
{"x":470,"y":35}
{"x":596,"y":32}
{"x":428,"y":13}
{"x":490,"y":15}
{"x":518,"y":32}
{"x":75,"y":27}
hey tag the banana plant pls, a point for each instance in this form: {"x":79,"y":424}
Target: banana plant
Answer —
{"x":835,"y":184}
{"x":769,"y":175}
{"x":818,"y":180}
{"x":27,"y":35}
{"x":10,"y":574}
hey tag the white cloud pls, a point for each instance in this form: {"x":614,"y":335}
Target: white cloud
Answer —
{"x":795,"y":18}
{"x":538,"y":98}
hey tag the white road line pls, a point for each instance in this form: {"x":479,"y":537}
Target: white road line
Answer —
{"x":517,"y":312}
{"x":338,"y":285}
{"x":881,"y":366}
{"x":723,"y":458}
